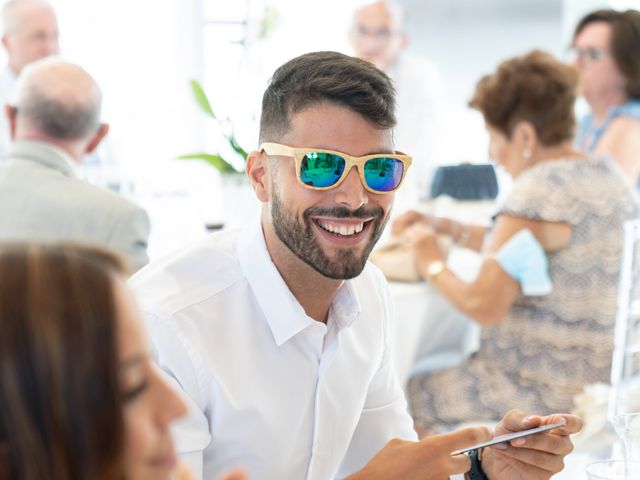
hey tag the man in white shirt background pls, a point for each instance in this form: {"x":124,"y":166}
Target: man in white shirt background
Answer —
{"x":378,"y":35}
{"x":29,"y":33}
{"x":280,"y":334}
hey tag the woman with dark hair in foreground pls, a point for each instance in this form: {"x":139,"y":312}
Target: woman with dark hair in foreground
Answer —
{"x":81,"y":398}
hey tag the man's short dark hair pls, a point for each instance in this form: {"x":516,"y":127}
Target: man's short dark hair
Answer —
{"x":326,"y":77}
{"x":625,"y":43}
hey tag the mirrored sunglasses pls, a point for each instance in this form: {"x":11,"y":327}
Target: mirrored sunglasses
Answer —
{"x":324,"y":169}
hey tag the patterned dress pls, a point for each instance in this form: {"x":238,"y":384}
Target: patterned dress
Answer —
{"x":549,"y":347}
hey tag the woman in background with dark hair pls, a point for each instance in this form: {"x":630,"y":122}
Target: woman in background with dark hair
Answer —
{"x":81,"y":398}
{"x":606,"y":48}
{"x":545,"y":294}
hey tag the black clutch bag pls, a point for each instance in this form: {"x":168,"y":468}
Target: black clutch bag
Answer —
{"x":465,"y":182}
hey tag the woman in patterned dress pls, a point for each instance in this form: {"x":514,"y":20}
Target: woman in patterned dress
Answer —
{"x":545,"y":294}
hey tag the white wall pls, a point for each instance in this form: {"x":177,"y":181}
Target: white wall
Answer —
{"x":142,"y":52}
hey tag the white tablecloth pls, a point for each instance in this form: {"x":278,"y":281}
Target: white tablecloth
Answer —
{"x":429,"y":333}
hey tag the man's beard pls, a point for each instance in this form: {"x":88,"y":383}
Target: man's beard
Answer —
{"x":299,"y":237}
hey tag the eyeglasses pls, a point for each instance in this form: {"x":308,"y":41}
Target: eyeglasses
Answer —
{"x":378,"y":34}
{"x":588,"y":54}
{"x":324,"y":169}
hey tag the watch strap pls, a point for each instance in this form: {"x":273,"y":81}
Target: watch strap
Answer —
{"x":475,"y":472}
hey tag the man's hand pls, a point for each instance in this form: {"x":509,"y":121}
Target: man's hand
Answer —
{"x":536,"y":457}
{"x":429,"y":458}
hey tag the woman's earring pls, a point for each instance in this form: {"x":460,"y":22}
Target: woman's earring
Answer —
{"x":526,"y":153}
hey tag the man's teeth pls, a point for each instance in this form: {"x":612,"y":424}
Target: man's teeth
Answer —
{"x":344,"y":230}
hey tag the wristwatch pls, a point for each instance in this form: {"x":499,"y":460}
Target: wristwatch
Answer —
{"x":434,"y":269}
{"x":475,"y":472}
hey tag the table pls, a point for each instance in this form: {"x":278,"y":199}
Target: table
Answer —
{"x":428,"y":332}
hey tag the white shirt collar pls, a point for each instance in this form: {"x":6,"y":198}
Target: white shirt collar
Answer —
{"x":284,"y":314}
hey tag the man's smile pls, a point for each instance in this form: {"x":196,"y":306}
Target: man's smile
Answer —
{"x":342,"y":227}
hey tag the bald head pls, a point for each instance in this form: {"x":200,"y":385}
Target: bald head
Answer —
{"x":58,"y":100}
{"x":30,"y":32}
{"x":377,"y":33}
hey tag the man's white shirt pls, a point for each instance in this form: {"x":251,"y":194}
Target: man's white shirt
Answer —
{"x":268,"y":387}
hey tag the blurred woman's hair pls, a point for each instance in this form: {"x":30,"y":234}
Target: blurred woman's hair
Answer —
{"x":61,"y":414}
{"x":534,"y":87}
{"x":625,"y":43}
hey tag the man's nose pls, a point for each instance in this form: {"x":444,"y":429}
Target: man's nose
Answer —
{"x":351,"y":193}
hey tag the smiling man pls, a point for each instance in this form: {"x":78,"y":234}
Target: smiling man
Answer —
{"x":280,"y":334}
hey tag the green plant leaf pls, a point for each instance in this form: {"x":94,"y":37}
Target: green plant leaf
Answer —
{"x":201,"y":98}
{"x":236,"y":147}
{"x":214,"y":160}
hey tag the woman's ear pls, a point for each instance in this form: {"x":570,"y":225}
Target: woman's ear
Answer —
{"x":257,"y":170}
{"x":524,"y":135}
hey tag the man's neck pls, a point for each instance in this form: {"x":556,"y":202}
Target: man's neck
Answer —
{"x":314,"y":291}
{"x":601,"y":104}
{"x":69,"y":148}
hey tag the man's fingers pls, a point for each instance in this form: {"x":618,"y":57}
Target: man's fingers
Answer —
{"x":545,"y":442}
{"x":533,"y":458}
{"x":573,"y":423}
{"x":516,"y":420}
{"x":460,"y":464}
{"x":466,"y":437}
{"x":532,"y":471}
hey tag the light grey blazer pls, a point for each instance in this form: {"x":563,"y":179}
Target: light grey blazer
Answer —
{"x":42,"y":199}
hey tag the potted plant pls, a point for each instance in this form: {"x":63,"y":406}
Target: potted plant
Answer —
{"x":215,"y":159}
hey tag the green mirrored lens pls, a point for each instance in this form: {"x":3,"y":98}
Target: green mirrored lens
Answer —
{"x":320,"y":169}
{"x":383,"y":174}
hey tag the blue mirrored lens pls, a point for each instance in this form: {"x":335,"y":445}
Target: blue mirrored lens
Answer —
{"x":383,"y":174}
{"x":319,"y":169}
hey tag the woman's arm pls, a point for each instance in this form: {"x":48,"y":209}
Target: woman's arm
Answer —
{"x":468,"y":236}
{"x":622,"y":141}
{"x":488,"y":298}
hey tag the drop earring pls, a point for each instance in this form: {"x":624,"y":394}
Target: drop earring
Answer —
{"x":526,"y":153}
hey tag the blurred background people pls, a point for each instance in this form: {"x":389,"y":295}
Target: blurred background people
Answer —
{"x":80,"y":395}
{"x":29,"y":33}
{"x":55,"y":122}
{"x":606,"y":48}
{"x":545,"y":294}
{"x":378,"y":35}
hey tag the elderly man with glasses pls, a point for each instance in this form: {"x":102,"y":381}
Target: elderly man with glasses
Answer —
{"x":29,"y":33}
{"x":378,"y":35}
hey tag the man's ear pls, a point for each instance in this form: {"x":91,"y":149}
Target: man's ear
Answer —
{"x":10,"y":112}
{"x":257,"y":170}
{"x":97,"y":138}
